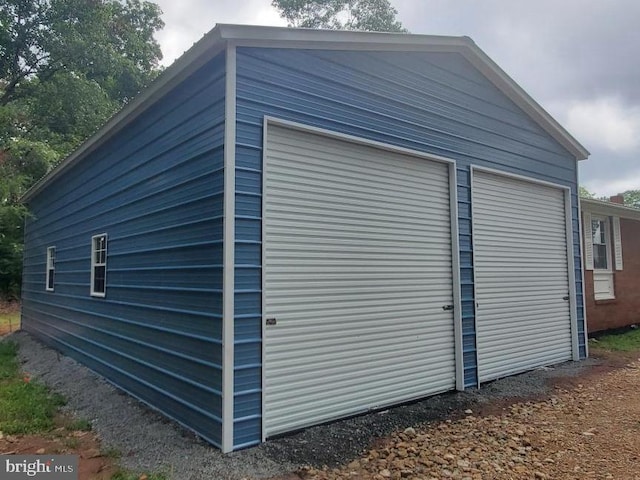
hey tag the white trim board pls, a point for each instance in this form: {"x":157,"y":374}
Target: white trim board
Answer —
{"x":354,"y":139}
{"x":229,"y":240}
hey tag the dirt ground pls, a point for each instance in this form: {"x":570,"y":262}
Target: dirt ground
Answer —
{"x":94,"y":464}
{"x":590,"y":428}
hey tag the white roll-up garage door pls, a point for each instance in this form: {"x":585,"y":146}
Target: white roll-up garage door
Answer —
{"x":357,"y":269}
{"x":522,"y":286}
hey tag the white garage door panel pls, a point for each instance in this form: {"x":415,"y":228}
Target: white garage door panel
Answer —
{"x":358,"y":265}
{"x":523,"y":320}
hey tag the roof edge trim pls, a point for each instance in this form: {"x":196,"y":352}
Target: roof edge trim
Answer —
{"x":602,"y":206}
{"x":520,"y":97}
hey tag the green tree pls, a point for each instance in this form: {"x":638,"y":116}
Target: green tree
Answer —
{"x":584,"y":193}
{"x":632,"y":198}
{"x":369,"y":15}
{"x":106,"y":41}
{"x":65,"y":110}
{"x":65,"y":67}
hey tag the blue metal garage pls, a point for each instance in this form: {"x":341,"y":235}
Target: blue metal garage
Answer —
{"x":292,"y":226}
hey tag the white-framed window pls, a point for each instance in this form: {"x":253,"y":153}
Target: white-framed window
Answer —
{"x":602,"y":251}
{"x":51,"y":268}
{"x":601,"y":241}
{"x":99,"y":265}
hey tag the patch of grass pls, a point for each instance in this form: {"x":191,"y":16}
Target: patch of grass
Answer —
{"x":8,"y":360}
{"x":619,"y":342}
{"x":111,"y":452}
{"x":126,"y":475}
{"x":25,"y":406}
{"x":79,"y":424}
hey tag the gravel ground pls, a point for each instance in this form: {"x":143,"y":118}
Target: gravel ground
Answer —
{"x":591,"y":431}
{"x":150,"y":442}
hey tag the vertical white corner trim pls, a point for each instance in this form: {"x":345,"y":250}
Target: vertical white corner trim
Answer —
{"x":588,"y":241}
{"x":571,"y":271}
{"x":228,"y":288}
{"x":455,"y":261}
{"x":265,"y":133}
{"x":617,"y":243}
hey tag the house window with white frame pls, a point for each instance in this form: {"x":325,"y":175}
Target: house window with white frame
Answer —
{"x":605,"y":237}
{"x":601,"y":243}
{"x":51,"y":268}
{"x":99,"y":265}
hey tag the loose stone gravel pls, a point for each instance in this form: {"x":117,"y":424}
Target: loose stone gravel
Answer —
{"x":150,"y":442}
{"x":592,"y":431}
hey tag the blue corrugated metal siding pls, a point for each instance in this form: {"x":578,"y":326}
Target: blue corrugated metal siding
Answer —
{"x":577,"y":242}
{"x":431,"y":102}
{"x":248,"y":298}
{"x":156,"y":189}
{"x":466,"y":277}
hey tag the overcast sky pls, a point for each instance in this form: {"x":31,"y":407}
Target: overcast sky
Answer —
{"x":580,"y":59}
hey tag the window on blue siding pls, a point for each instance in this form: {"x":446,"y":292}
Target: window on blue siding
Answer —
{"x":99,"y":265}
{"x":51,"y":267}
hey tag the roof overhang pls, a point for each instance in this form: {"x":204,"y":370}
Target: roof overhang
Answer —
{"x":281,"y":37}
{"x":609,"y":209}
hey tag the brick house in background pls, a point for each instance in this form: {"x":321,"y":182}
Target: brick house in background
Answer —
{"x":611,"y":263}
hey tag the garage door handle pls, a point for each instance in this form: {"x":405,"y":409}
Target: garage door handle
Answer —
{"x":447,"y":307}
{"x":566,"y":298}
{"x":271,"y":321}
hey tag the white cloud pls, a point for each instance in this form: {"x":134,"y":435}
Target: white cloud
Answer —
{"x":576,"y":66}
{"x":187,"y":21}
{"x":605,"y":122}
{"x":608,"y":188}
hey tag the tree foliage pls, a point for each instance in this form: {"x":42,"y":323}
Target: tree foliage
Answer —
{"x":584,"y":193}
{"x":65,"y":67}
{"x":369,"y":15}
{"x":104,"y":41}
{"x":632,"y":198}
{"x":12,"y":215}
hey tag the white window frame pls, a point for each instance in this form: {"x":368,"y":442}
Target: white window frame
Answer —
{"x":603,"y":276}
{"x":606,"y":221}
{"x":98,"y":264}
{"x":51,"y":269}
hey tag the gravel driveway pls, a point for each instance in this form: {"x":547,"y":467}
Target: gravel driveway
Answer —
{"x":590,"y":430}
{"x":547,"y":439}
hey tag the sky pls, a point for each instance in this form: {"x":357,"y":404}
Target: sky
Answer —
{"x":579,"y":59}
